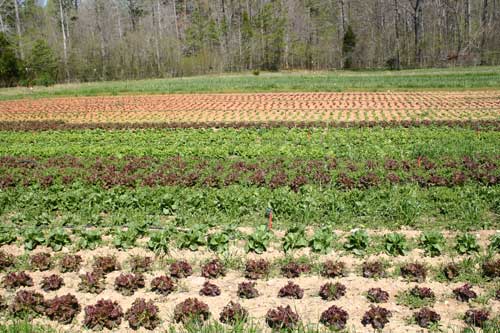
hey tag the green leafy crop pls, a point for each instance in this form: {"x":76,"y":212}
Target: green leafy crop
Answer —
{"x":258,"y":241}
{"x":357,"y":242}
{"x":395,"y":244}
{"x":432,"y":242}
{"x":466,"y":244}
{"x":295,"y":238}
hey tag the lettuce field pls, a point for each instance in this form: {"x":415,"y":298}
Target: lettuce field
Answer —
{"x":265,"y":212}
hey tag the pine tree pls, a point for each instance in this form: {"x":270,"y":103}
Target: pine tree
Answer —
{"x":42,"y":64}
{"x":348,"y":47}
{"x":9,"y":64}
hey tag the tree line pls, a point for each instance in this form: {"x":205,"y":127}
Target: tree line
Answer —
{"x":42,"y":42}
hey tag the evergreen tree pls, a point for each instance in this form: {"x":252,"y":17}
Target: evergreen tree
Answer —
{"x":41,"y":64}
{"x":9,"y":64}
{"x":348,"y":47}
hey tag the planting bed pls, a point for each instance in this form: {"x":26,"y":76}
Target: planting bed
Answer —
{"x":309,"y":294}
{"x":241,"y":110}
{"x":148,"y":212}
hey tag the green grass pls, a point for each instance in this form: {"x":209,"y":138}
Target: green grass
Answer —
{"x":24,"y":327}
{"x":406,"y":80}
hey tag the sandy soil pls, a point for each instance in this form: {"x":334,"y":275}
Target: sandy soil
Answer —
{"x":309,"y":308}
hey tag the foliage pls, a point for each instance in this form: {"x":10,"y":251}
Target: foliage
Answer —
{"x":89,"y":239}
{"x":494,"y":243}
{"x":256,"y":269}
{"x":218,"y":242}
{"x":180,"y":269}
{"x":416,"y":297}
{"x":491,"y":268}
{"x":377,"y":295}
{"x":477,"y":317}
{"x":106,"y":264}
{"x":127,"y":284}
{"x":333,"y":269}
{"x":258,"y":241}
{"x":162,"y":285}
{"x":247,"y":290}
{"x":209,"y":289}
{"x":322,"y":240}
{"x":348,"y":46}
{"x":27,"y":303}
{"x":70,"y":263}
{"x":213,"y":269}
{"x":464,"y":293}
{"x":395,"y":244}
{"x":6,"y":260}
{"x":32,"y":238}
{"x":357,"y":242}
{"x":432,"y":242}
{"x":159,"y":242}
{"x":426,"y":317}
{"x":57,"y":239}
{"x":193,"y":238}
{"x":15,"y":280}
{"x":41,"y":65}
{"x":282,"y":318}
{"x":125,"y":239}
{"x":373,"y":269}
{"x":294,"y":238}
{"x":143,"y":314}
{"x":291,"y":290}
{"x":233,"y":313}
{"x":377,"y":317}
{"x":332,"y":291}
{"x":41,"y":261}
{"x":52,"y":282}
{"x":466,"y":244}
{"x":91,"y":282}
{"x":293,"y":269}
{"x":451,"y":271}
{"x":140,"y":264}
{"x":9,"y":64}
{"x":103,"y":314}
{"x":62,"y":308}
{"x":7,"y":236}
{"x":191,"y":310}
{"x":414,"y":272}
{"x":335,"y":318}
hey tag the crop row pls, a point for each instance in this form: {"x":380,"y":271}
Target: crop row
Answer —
{"x":65,"y":308}
{"x":313,"y":143}
{"x":467,"y":207}
{"x":323,"y":240}
{"x":51,"y":125}
{"x":272,"y":173}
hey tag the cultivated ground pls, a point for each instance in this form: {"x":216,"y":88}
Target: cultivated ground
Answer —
{"x":125,"y":169}
{"x":260,"y":108}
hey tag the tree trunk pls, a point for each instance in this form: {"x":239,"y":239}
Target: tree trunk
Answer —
{"x":2,"y":26}
{"x":65,"y":48}
{"x":467,"y":22}
{"x":156,"y":37}
{"x":418,"y":28}
{"x":18,"y":29}
{"x":98,"y":5}
{"x":175,"y":20}
{"x":397,"y":64}
{"x":342,"y":28}
{"x":484,"y":30}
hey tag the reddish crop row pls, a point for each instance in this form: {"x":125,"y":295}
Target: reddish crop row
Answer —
{"x":272,"y":173}
{"x":52,"y":125}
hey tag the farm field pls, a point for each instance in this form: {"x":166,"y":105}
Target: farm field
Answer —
{"x":151,"y":212}
{"x":243,"y":110}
